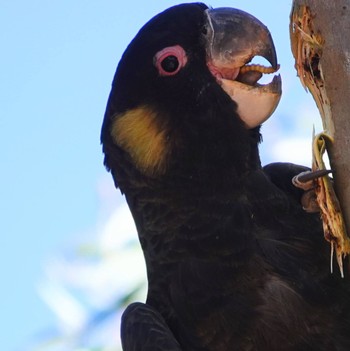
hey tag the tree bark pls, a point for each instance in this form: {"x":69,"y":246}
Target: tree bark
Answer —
{"x":320,"y":36}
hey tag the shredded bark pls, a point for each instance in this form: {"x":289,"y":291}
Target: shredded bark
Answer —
{"x":307,"y":47}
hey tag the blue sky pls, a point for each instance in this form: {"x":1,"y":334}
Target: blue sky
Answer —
{"x":57,"y":62}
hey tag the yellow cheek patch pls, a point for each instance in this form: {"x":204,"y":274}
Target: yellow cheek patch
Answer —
{"x":140,"y":134}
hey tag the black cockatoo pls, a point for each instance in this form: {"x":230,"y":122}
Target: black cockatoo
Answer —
{"x":233,"y":260}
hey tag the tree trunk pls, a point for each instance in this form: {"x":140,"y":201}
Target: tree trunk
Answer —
{"x":320,"y":35}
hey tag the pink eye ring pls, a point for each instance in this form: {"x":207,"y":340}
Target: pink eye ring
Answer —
{"x":170,"y":60}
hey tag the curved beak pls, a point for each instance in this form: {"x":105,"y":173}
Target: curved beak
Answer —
{"x":233,"y":39}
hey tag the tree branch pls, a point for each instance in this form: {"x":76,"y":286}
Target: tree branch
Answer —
{"x":320,"y":36}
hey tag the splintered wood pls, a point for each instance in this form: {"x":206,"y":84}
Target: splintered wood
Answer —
{"x":307,"y":46}
{"x":332,"y":218}
{"x":307,"y":51}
